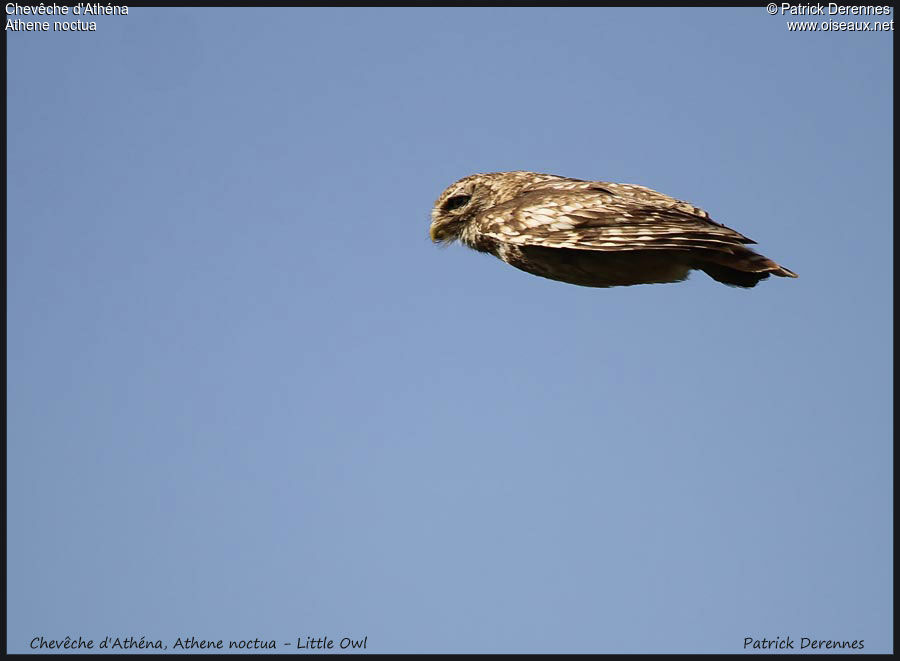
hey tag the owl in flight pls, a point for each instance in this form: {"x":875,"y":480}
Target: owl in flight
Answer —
{"x":593,"y":233}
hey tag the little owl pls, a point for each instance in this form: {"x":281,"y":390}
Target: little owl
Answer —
{"x":593,"y":233}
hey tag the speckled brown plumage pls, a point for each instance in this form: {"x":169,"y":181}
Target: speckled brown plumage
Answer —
{"x":593,"y":233}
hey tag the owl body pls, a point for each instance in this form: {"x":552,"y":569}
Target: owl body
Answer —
{"x":593,"y":233}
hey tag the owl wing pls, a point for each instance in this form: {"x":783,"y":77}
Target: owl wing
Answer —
{"x":606,"y":217}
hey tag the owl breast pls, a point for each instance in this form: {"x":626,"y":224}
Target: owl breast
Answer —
{"x":598,"y":269}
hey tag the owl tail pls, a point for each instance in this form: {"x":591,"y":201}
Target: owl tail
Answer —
{"x":744,"y":268}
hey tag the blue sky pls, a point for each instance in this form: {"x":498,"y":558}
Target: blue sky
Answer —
{"x":247,"y":397}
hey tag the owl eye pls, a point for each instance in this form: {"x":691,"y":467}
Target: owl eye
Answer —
{"x":456,"y":202}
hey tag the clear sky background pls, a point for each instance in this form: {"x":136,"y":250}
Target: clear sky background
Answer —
{"x":247,"y":397}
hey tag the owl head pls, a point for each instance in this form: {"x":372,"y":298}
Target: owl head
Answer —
{"x":464,"y":200}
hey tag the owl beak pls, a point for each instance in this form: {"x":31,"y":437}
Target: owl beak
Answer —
{"x":444,"y":231}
